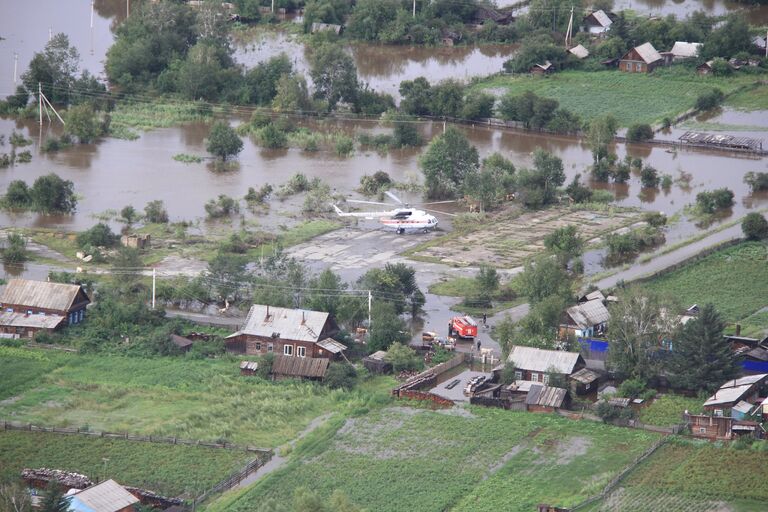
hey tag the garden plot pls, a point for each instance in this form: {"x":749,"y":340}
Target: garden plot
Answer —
{"x":507,"y":241}
{"x":402,"y":459}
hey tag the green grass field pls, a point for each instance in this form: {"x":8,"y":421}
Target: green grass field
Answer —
{"x":686,"y":475}
{"x":474,"y":459}
{"x":168,"y":469}
{"x":734,"y":279}
{"x":752,"y":99}
{"x":630,"y":97}
{"x":206,"y":400}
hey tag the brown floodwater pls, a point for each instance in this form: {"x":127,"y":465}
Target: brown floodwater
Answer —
{"x":757,"y":14}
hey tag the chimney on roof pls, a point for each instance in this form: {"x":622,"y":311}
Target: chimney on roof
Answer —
{"x":303,"y":319}
{"x":266,"y":318}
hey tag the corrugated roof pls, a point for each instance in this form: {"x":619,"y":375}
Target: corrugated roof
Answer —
{"x":743,"y":407}
{"x":33,"y":321}
{"x":538,"y":360}
{"x":589,"y":314}
{"x":602,"y":19}
{"x":108,"y":496}
{"x":251,"y":366}
{"x":545,"y":396}
{"x":684,"y":49}
{"x":40,"y":294}
{"x":749,"y":379}
{"x":595,"y":295}
{"x":522,"y":386}
{"x":300,"y":366}
{"x":580,"y":52}
{"x":288,"y":324}
{"x":332,"y":346}
{"x":648,"y":53}
{"x":585,"y":376}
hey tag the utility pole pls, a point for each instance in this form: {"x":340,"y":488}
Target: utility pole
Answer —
{"x":370,"y":297}
{"x":569,"y":32}
{"x":15,"y":66}
{"x":40,"y":101}
{"x":154,"y":282}
{"x":414,"y":8}
{"x":92,"y":4}
{"x":273,"y":6}
{"x":127,"y":8}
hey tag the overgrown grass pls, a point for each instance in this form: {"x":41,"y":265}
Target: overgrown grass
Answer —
{"x":306,"y":231}
{"x":168,"y":469}
{"x":751,"y":99}
{"x":187,"y":159}
{"x":687,"y":475}
{"x":735,"y":279}
{"x":468,"y":287}
{"x":146,"y":116}
{"x":667,"y":410}
{"x":625,"y":95}
{"x":194,"y":399}
{"x":23,"y":369}
{"x":755,"y":326}
{"x":480,"y":459}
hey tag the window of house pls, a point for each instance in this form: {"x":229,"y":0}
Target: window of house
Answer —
{"x":301,"y":351}
{"x":545,"y":379}
{"x":535,"y":377}
{"x":702,"y":430}
{"x":518,"y":375}
{"x":638,"y":66}
{"x":9,"y":310}
{"x":258,"y":346}
{"x":270,"y":347}
{"x":288,"y":350}
{"x":719,"y":412}
{"x":29,"y":311}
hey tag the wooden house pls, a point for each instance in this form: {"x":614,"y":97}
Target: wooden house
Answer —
{"x":31,"y":306}
{"x":683,"y":50}
{"x":287,"y":367}
{"x":485,"y":14}
{"x":641,"y":59}
{"x":542,"y":69}
{"x":720,"y":427}
{"x":730,"y":394}
{"x":108,"y":496}
{"x":288,"y":332}
{"x":535,"y":364}
{"x":584,"y":320}
{"x":597,"y":23}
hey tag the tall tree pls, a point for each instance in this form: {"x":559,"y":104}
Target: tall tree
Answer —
{"x":565,"y":243}
{"x":51,"y":194}
{"x":701,"y":357}
{"x":54,"y":68}
{"x":223,"y":141}
{"x":542,"y":278}
{"x":334,"y":74}
{"x":448,"y":161}
{"x":600,"y":135}
{"x":640,"y":321}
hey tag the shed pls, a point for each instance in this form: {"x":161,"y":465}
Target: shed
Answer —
{"x":485,"y":13}
{"x":287,"y":367}
{"x":705,"y":69}
{"x":248,"y":367}
{"x":542,"y":69}
{"x":377,"y":363}
{"x":546,"y":398}
{"x":759,"y":43}
{"x":183,"y":343}
{"x":584,"y":381}
{"x":579,"y":51}
{"x":595,"y":295}
{"x":741,"y":410}
{"x":641,"y":59}
{"x":135,"y":241}
{"x":597,"y":23}
{"x":108,"y":496}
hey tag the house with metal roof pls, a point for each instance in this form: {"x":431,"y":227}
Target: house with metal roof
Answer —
{"x":727,"y":398}
{"x":584,"y":320}
{"x":682,"y":50}
{"x":641,"y":59}
{"x":288,"y":332}
{"x":597,"y":23}
{"x":108,"y":496}
{"x":535,"y":364}
{"x":30,"y":306}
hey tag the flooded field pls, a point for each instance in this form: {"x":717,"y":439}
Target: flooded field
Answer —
{"x":758,"y":14}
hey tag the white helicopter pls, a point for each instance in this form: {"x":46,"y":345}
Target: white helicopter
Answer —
{"x":403,"y":219}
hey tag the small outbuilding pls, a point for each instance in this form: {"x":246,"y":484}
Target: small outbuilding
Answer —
{"x":108,"y":496}
{"x":537,"y":365}
{"x":542,"y":398}
{"x":248,"y":368}
{"x":730,"y":394}
{"x":683,"y":50}
{"x":585,"y":320}
{"x":579,"y":51}
{"x":377,"y":363}
{"x":641,"y":59}
{"x":326,"y":27}
{"x":597,"y":23}
{"x":584,"y":381}
{"x":542,"y":69}
{"x":183,"y":344}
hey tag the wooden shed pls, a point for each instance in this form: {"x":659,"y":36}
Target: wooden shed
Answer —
{"x":584,"y":381}
{"x":184,"y":344}
{"x":286,"y":367}
{"x":547,"y":399}
{"x":542,"y":69}
{"x":377,"y":363}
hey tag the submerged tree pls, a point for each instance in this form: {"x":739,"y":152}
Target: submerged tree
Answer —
{"x":223,"y":141}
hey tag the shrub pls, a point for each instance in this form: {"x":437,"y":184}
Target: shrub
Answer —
{"x":15,"y":250}
{"x":340,"y":376}
{"x":709,"y":202}
{"x":99,"y":235}
{"x":271,"y":137}
{"x":155,"y":212}
{"x":221,"y":207}
{"x":755,"y":226}
{"x":344,"y":145}
{"x":51,"y":194}
{"x":631,"y":388}
{"x":655,"y":219}
{"x":17,"y":195}
{"x":757,"y":181}
{"x":406,"y":135}
{"x":403,"y":358}
{"x":253,"y":196}
{"x":709,"y":100}
{"x":639,"y":133}
{"x":372,"y":185}
{"x":666,"y":182}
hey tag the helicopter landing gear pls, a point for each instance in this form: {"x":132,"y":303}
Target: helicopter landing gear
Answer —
{"x":400,"y":231}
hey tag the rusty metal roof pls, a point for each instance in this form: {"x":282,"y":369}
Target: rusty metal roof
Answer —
{"x":300,"y":366}
{"x":32,"y":321}
{"x":545,"y":396}
{"x":284,"y":323}
{"x":40,"y":294}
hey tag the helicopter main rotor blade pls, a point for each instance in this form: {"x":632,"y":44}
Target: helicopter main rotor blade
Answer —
{"x":438,"y":211}
{"x":394,"y":197}
{"x":442,"y":202}
{"x":368,"y":202}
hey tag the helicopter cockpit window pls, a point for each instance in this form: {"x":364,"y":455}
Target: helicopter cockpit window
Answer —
{"x":402,"y":215}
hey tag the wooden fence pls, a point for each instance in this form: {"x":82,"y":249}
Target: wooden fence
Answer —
{"x":424,"y":395}
{"x":618,"y":478}
{"x":428,"y":378}
{"x":511,"y":404}
{"x":232,"y":480}
{"x":29,"y":427}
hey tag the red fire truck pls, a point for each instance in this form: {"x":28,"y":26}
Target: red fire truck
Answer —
{"x":462,"y":327}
